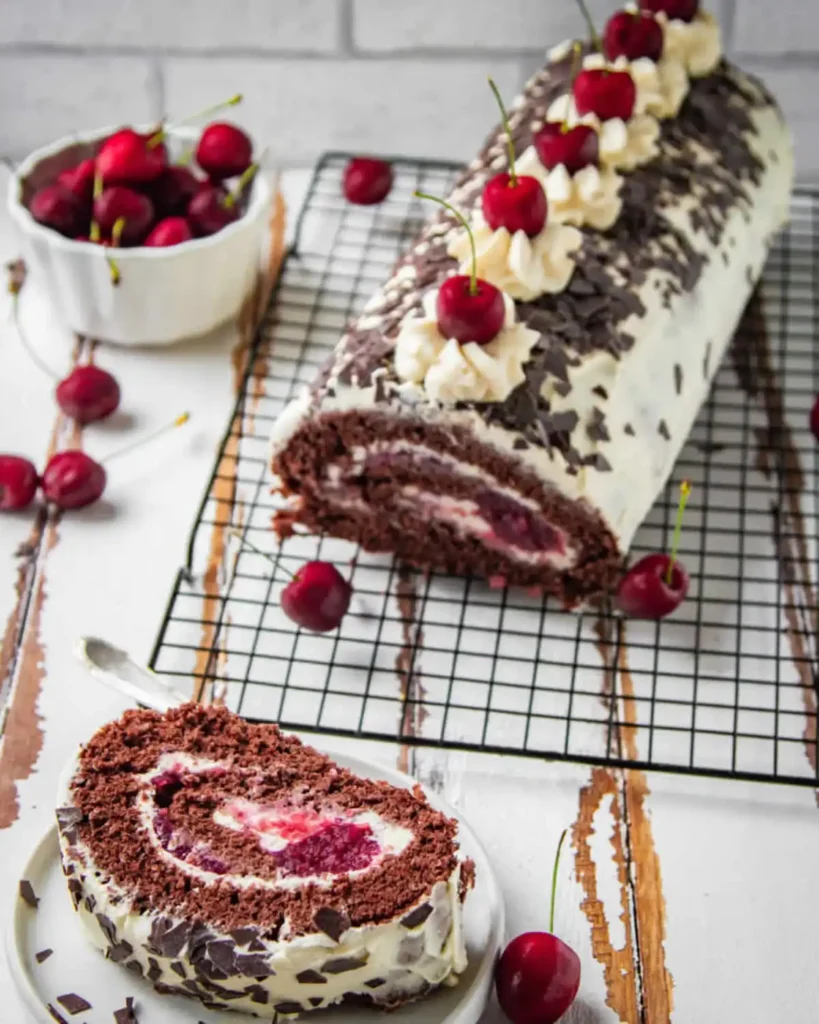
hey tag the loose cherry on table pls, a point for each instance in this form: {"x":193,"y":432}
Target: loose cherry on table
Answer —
{"x":538,"y":975}
{"x":468,"y":308}
{"x":317,"y":598}
{"x":171,"y":231}
{"x":129,"y":157}
{"x":509,"y":200}
{"x":675,"y":10}
{"x":120,"y":203}
{"x":367,"y":181}
{"x":18,"y":482}
{"x":88,"y":394}
{"x":575,"y":148}
{"x":633,"y":34}
{"x":657,"y":584}
{"x":55,"y":207}
{"x":73,"y":479}
{"x":224,"y":151}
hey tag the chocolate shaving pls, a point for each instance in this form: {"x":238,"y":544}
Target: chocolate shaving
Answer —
{"x":344,"y":964}
{"x":628,"y":429}
{"x":417,"y":917}
{"x":55,"y":1013}
{"x":331,"y":922}
{"x":28,"y":895}
{"x":678,"y":378}
{"x":600,"y":391}
{"x":43,"y":955}
{"x":310,"y":978}
{"x":663,"y":431}
{"x":73,"y":1003}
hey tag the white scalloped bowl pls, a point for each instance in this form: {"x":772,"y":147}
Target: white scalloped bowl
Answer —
{"x":166,"y":294}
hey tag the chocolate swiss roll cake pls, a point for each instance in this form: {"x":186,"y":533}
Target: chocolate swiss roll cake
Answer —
{"x":532,"y":457}
{"x":227,"y":862}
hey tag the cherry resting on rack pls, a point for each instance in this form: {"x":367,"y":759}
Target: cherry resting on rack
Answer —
{"x":317,"y":598}
{"x":366,"y":180}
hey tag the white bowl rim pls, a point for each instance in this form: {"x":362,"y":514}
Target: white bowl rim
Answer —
{"x":260,"y":199}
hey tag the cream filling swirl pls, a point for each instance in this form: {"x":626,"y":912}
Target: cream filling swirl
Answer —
{"x":450,"y":372}
{"x":589,"y":196}
{"x":624,"y":145}
{"x":661,"y":86}
{"x":697,"y":44}
{"x":523,"y":267}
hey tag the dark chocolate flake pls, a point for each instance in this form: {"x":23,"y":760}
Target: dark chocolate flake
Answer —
{"x":73,"y":1003}
{"x":244,"y":936}
{"x":288,"y":1007}
{"x":343,"y":964}
{"x":168,"y":939}
{"x":135,"y":967}
{"x":55,"y":1013}
{"x":68,"y":818}
{"x":375,"y":982}
{"x":154,"y":970}
{"x":178,"y":968}
{"x":417,"y":917}
{"x":251,"y":966}
{"x":120,"y":951}
{"x":520,"y":445}
{"x":258,"y":994}
{"x":316,"y":1001}
{"x":43,"y":955}
{"x":678,"y":378}
{"x":333,"y":923}
{"x":27,"y":893}
{"x":663,"y":431}
{"x":628,"y":429}
{"x":126,"y":1014}
{"x":310,"y":978}
{"x":600,"y":391}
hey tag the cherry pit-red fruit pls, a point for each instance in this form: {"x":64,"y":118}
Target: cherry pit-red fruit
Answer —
{"x":18,"y":482}
{"x":79,"y":181}
{"x":367,"y":181}
{"x":73,"y":479}
{"x":575,"y":148}
{"x":208,"y":212}
{"x":88,"y":394}
{"x":467,"y":316}
{"x":317,"y":598}
{"x":644,"y":592}
{"x":537,"y":978}
{"x":675,"y":10}
{"x":119,"y":202}
{"x":127,"y":157}
{"x":55,"y":207}
{"x":608,"y":94}
{"x":224,"y":151}
{"x":171,"y":231}
{"x":633,"y":35}
{"x":518,"y":205}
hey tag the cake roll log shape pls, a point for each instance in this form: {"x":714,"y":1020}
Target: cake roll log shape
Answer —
{"x":227,"y":862}
{"x":534,"y":462}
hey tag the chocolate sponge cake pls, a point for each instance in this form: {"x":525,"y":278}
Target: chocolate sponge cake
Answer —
{"x":533,"y":459}
{"x":228,"y":862}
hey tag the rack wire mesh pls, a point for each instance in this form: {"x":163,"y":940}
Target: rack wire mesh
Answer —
{"x":726,"y":687}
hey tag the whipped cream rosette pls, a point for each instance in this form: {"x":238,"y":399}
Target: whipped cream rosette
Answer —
{"x":589,"y":196}
{"x":624,"y":145}
{"x":696,"y":44}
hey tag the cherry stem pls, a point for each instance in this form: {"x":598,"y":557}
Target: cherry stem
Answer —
{"x":94,"y":231}
{"x":473,"y":277}
{"x":265,"y":554}
{"x":21,"y":334}
{"x":116,"y":235}
{"x":685,"y":491}
{"x":510,"y":144}
{"x":595,"y":38}
{"x":574,"y":71}
{"x":233,"y":197}
{"x":159,"y":135}
{"x":554,"y":883}
{"x":178,"y":422}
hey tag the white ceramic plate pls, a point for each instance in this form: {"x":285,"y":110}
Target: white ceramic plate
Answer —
{"x":75,"y":966}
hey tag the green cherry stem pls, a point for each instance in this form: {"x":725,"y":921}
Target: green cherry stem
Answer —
{"x":554,"y":883}
{"x":510,"y":144}
{"x":685,"y":492}
{"x":15,"y":286}
{"x":595,"y":38}
{"x":94,"y":230}
{"x":159,"y":135}
{"x":180,"y":421}
{"x":116,"y":237}
{"x":473,"y":277}
{"x":574,"y":71}
{"x":247,"y":176}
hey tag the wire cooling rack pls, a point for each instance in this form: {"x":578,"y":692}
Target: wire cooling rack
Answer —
{"x":726,"y":687}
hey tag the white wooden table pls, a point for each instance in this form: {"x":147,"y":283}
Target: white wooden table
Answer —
{"x":687,"y":899}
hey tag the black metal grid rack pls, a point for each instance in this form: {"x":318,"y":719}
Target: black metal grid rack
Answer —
{"x":726,"y":687}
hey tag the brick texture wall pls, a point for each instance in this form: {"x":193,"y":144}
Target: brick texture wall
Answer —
{"x":387,"y":76}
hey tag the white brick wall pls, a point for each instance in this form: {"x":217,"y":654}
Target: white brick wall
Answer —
{"x":405,"y":76}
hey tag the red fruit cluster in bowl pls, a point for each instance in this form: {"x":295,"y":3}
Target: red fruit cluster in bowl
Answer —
{"x":130,"y":194}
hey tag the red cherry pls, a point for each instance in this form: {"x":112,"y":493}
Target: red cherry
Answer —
{"x":537,"y":978}
{"x":171,"y":231}
{"x":677,"y":10}
{"x":79,"y":181}
{"x":125,"y":158}
{"x":607,"y":94}
{"x":814,"y":418}
{"x":520,"y":206}
{"x":18,"y":482}
{"x":136,"y":208}
{"x":575,"y":148}
{"x":207,"y":212}
{"x":88,"y":394}
{"x":644,"y":593}
{"x":367,"y":181}
{"x":73,"y":479}
{"x":467,"y":317}
{"x":633,"y":35}
{"x":55,"y":207}
{"x":224,"y":151}
{"x":317,"y":598}
{"x":173,"y":190}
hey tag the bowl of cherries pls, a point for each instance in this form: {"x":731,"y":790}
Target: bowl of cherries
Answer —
{"x":147,"y":234}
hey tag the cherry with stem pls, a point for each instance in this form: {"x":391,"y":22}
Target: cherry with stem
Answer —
{"x":159,"y":135}
{"x":685,"y":494}
{"x":468,"y":308}
{"x":595,"y":38}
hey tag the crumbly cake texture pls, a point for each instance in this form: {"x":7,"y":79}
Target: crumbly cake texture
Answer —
{"x":227,"y":861}
{"x":546,"y":488}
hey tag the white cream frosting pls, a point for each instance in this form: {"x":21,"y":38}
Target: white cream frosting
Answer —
{"x":409,"y":960}
{"x":450,"y":372}
{"x":697,"y":44}
{"x":624,"y":145}
{"x":589,"y":196}
{"x":523,"y":267}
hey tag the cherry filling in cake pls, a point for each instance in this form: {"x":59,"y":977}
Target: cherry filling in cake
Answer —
{"x":293,"y":840}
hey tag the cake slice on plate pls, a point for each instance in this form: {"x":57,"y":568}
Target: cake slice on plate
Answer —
{"x":228,"y":862}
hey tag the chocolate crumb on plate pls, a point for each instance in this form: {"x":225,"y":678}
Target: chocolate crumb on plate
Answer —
{"x":73,"y":1003}
{"x":43,"y":955}
{"x":127,"y":1015}
{"x":27,"y":893}
{"x":55,"y":1013}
